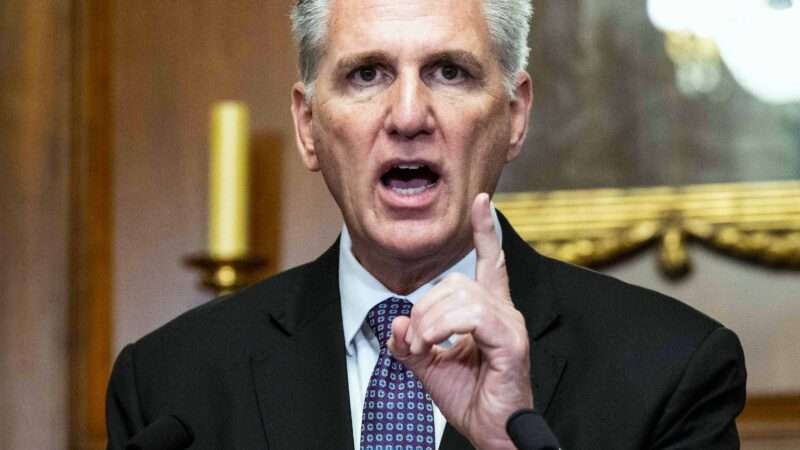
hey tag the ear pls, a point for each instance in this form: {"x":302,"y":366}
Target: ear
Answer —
{"x":303,"y":124}
{"x":520,"y":114}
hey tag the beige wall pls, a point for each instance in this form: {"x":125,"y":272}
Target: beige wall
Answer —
{"x":172,"y":60}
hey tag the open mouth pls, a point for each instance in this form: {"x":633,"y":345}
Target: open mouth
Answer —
{"x":410,"y":178}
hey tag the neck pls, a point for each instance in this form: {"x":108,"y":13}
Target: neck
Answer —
{"x":405,"y":275}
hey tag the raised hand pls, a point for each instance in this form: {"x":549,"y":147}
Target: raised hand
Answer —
{"x":482,"y":379}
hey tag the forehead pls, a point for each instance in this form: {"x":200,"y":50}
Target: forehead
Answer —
{"x":407,"y":26}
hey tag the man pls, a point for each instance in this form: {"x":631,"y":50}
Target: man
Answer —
{"x":410,"y":109}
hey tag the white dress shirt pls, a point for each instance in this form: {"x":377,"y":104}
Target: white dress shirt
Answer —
{"x":360,"y":292}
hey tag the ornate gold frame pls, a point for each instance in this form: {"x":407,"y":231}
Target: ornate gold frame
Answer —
{"x":759,"y":221}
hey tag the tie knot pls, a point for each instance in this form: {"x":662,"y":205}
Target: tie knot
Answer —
{"x":380,"y":317}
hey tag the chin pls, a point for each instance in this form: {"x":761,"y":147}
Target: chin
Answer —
{"x":416,"y":240}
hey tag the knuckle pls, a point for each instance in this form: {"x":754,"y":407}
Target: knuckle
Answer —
{"x":520,"y":345}
{"x":428,"y":336}
{"x":415,"y":314}
{"x":521,"y":342}
{"x":479,"y":309}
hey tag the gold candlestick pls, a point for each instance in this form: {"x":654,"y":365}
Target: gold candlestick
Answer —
{"x":228,"y":264}
{"x":229,"y":181}
{"x":224,"y":275}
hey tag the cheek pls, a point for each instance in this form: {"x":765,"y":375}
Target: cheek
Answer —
{"x":483,"y":145}
{"x":332,"y":159}
{"x":341,"y":141}
{"x":482,"y":134}
{"x":347,"y":127}
{"x":332,"y":136}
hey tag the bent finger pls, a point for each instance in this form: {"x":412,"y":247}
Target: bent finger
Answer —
{"x":417,"y":363}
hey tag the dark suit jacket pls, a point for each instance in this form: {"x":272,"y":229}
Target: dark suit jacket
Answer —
{"x":613,"y":366}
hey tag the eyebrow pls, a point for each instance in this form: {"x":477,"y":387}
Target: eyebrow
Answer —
{"x":459,"y":57}
{"x":463,"y":58}
{"x":348,"y":63}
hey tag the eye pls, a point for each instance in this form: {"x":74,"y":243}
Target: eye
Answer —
{"x":449,"y":73}
{"x":367,"y":76}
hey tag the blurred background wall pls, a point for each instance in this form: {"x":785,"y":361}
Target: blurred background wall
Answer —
{"x":34,"y":210}
{"x":103,"y":180}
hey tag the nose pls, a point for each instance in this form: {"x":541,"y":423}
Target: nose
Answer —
{"x":410,"y":115}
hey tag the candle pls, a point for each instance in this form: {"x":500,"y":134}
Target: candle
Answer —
{"x":229,"y":181}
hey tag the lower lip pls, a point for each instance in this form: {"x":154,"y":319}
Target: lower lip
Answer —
{"x":397,"y":200}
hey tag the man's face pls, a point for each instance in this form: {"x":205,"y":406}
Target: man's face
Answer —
{"x":409,"y":121}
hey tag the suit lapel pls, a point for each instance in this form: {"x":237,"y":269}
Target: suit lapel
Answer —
{"x":301,"y":381}
{"x":533,"y":294}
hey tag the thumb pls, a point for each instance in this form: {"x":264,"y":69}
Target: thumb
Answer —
{"x":490,"y":268}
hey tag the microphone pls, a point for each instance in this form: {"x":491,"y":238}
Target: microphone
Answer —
{"x":529,"y":431}
{"x":165,"y":433}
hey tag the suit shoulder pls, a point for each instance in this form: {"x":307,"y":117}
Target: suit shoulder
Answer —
{"x":225,"y":319}
{"x":636,"y":341}
{"x":594,"y":296}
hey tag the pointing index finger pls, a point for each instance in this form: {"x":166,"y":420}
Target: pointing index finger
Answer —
{"x":490,"y":269}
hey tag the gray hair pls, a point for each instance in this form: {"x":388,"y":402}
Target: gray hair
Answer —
{"x":508,"y":22}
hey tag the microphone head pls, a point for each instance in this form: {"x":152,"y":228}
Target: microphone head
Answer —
{"x":529,"y":431}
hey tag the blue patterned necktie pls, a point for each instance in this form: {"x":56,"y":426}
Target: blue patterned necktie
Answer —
{"x":398,"y":413}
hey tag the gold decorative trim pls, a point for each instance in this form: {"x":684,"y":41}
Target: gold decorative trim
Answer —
{"x":770,"y":418}
{"x":758,"y":221}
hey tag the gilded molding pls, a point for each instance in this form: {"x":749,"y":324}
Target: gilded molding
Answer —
{"x":757,"y":221}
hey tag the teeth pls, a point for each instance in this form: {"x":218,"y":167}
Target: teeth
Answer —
{"x":409,"y":166}
{"x":411,"y":191}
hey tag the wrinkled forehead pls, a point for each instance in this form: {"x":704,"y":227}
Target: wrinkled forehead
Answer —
{"x":398,"y":25}
{"x":400,"y":9}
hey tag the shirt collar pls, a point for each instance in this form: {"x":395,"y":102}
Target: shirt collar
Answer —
{"x":360,"y":291}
